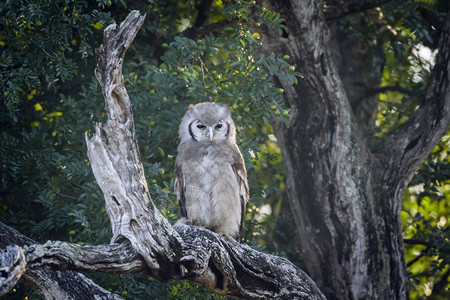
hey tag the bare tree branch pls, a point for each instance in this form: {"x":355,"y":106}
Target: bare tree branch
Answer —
{"x":190,"y":253}
{"x":207,"y":257}
{"x":48,"y":283}
{"x":339,"y":9}
{"x":115,"y":258}
{"x":203,"y":12}
{"x":200,"y":32}
{"x":241,"y":271}
{"x":417,"y":242}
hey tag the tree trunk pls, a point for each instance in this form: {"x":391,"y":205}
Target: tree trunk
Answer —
{"x":345,"y":197}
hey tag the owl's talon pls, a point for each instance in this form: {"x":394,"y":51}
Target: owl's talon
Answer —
{"x":183,"y":221}
{"x":231,"y":239}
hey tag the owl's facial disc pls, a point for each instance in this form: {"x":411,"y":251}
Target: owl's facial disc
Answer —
{"x":214,"y":132}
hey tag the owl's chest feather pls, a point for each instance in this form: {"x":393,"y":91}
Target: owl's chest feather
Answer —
{"x":211,"y":186}
{"x":210,"y":169}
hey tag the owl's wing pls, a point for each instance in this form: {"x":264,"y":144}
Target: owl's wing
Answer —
{"x":238,"y":166}
{"x":179,"y":188}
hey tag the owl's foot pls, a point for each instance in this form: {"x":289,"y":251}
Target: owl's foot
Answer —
{"x":183,"y":221}
{"x":231,"y":239}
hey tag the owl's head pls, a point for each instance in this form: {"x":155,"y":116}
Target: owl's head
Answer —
{"x":207,"y":122}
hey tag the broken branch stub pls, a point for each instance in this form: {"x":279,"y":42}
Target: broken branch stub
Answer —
{"x":115,"y":159}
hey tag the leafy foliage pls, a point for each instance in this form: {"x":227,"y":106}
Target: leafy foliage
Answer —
{"x":426,"y":215}
{"x":41,"y":43}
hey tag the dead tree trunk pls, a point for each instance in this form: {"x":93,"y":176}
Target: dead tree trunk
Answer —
{"x":143,"y":240}
{"x":345,"y":197}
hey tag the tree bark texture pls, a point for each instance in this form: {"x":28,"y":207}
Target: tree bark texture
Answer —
{"x":47,"y":282}
{"x":143,"y":240}
{"x":346,"y":198}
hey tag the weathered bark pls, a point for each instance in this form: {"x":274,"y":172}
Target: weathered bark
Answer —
{"x":143,"y":240}
{"x":114,"y":155}
{"x":345,"y":197}
{"x":49,"y":283}
{"x":206,"y":257}
{"x":12,"y":267}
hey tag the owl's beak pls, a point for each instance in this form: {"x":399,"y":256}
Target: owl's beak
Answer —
{"x":211,"y":133}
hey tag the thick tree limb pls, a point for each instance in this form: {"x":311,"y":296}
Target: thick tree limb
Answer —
{"x":49,"y":283}
{"x":115,"y":258}
{"x":241,"y":271}
{"x":345,"y":197}
{"x":143,"y":240}
{"x":200,"y":32}
{"x":207,"y":258}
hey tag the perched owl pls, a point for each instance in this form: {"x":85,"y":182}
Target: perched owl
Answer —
{"x":210,"y":176}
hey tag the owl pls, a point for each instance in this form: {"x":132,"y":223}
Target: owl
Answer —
{"x":210,"y":179}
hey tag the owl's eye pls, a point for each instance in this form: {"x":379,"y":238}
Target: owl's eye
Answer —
{"x":201,"y":126}
{"x":218,"y":126}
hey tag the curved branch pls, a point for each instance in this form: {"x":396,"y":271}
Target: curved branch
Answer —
{"x":200,"y":32}
{"x":241,"y":271}
{"x":115,"y":258}
{"x":390,"y":88}
{"x":408,"y":147}
{"x":417,"y":242}
{"x":339,"y":10}
{"x":48,"y":283}
{"x":191,"y":253}
{"x":206,"y":258}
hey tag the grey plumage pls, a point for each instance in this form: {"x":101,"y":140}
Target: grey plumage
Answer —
{"x":210,"y":176}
